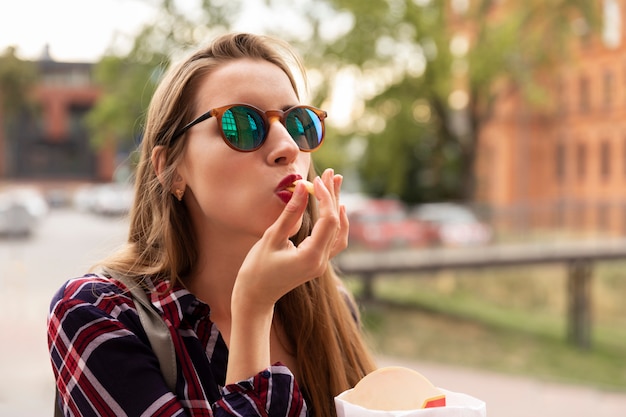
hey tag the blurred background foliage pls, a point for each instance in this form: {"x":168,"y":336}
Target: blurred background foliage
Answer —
{"x":16,"y":76}
{"x":407,"y":95}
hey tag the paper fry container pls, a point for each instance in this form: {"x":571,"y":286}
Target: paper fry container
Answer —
{"x":457,"y":405}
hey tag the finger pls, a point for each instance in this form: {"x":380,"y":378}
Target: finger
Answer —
{"x":322,"y":192}
{"x":341,"y":241}
{"x":326,"y":227}
{"x":337,"y":182}
{"x":290,"y":216}
{"x":328,"y":179}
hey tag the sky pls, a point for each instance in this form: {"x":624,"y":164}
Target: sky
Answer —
{"x":75,"y":30}
{"x":81,"y":30}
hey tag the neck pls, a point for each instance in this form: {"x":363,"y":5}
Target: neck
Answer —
{"x":213,"y":277}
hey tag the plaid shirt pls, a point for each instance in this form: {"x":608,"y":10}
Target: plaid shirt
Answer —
{"x":104,"y":366}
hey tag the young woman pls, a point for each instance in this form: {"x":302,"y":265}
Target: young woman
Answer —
{"x":232,"y":250}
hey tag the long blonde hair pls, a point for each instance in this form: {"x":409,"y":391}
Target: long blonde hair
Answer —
{"x":322,"y":333}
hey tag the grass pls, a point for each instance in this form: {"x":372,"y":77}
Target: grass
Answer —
{"x":505,"y":320}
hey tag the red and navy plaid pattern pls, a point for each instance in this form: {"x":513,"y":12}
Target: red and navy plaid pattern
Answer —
{"x":104,"y":366}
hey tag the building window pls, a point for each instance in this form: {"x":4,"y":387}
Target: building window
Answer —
{"x":583,"y":86}
{"x":612,"y":23}
{"x":68,"y":77}
{"x":603,"y":217}
{"x":605,"y":160}
{"x":77,"y":120}
{"x":559,"y":162}
{"x":624,"y":158}
{"x":608,"y":89}
{"x":561,"y":98}
{"x":580,"y":212}
{"x":581,"y":161}
{"x":624,"y":81}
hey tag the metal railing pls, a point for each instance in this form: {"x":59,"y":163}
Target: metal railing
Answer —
{"x":577,"y":256}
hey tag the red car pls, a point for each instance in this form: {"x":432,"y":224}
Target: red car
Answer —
{"x":385,"y":223}
{"x":454,"y":224}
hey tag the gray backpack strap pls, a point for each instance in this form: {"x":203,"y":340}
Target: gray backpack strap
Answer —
{"x":156,"y":329}
{"x":57,"y":406}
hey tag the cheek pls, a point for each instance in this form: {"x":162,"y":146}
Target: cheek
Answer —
{"x":229,"y":188}
{"x":304,"y":164}
{"x":207,"y":170}
{"x":226,"y":190}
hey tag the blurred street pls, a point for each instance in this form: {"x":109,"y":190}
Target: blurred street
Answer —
{"x":63,"y":245}
{"x":66,"y":243}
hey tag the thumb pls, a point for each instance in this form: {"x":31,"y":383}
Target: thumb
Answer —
{"x":291,"y":214}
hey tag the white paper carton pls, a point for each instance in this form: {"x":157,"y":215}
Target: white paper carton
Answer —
{"x":402,"y":392}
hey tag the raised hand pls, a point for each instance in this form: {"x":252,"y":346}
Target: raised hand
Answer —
{"x":275,"y":266}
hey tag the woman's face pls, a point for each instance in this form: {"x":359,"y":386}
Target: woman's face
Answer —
{"x":231,"y":193}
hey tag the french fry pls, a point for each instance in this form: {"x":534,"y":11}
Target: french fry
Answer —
{"x":307,"y":184}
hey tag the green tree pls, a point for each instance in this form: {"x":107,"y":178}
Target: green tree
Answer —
{"x":436,"y":89}
{"x":420,"y":137}
{"x":128,"y":79}
{"x":17,"y":78}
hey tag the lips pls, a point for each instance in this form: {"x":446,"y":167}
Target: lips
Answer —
{"x":281,"y":190}
{"x":288,"y":181}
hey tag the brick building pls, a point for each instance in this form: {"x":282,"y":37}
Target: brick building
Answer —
{"x":52,"y":142}
{"x":564,"y":168}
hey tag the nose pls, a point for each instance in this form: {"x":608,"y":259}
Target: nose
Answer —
{"x":281,"y":148}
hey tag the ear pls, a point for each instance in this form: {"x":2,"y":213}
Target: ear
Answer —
{"x":158,"y":158}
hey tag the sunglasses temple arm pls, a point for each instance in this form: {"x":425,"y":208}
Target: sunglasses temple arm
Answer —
{"x":191,"y":124}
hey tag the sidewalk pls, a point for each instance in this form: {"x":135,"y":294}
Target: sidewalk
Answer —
{"x":512,"y":396}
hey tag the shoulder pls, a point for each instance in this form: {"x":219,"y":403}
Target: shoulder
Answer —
{"x":91,"y":291}
{"x":89,"y":288}
{"x":93,"y":307}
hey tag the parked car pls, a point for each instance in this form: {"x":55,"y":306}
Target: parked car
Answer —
{"x":385,"y":223}
{"x":112,"y":199}
{"x":16,"y":218}
{"x":30,"y":198}
{"x":453,"y":224}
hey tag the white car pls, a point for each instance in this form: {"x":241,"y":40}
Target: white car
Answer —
{"x":31,"y":198}
{"x":16,"y":219}
{"x":111,"y":199}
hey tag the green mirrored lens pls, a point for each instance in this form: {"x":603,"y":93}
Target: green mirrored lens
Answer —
{"x":243,"y":127}
{"x":305,"y":127}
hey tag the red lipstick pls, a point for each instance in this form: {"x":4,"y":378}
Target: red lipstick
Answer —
{"x":281,"y":190}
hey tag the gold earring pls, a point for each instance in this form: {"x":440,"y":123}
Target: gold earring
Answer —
{"x":179,"y":194}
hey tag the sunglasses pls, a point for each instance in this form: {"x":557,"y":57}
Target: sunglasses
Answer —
{"x":245,"y":128}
